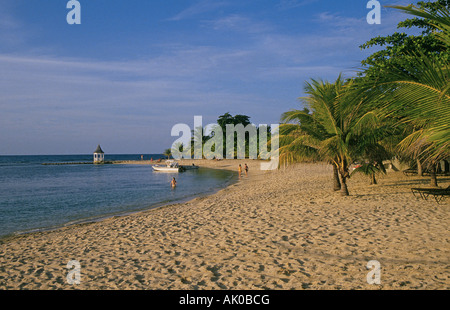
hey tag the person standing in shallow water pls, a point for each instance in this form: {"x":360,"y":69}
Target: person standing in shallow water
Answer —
{"x":173,"y":183}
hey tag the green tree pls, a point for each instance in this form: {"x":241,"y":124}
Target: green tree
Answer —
{"x":397,"y":47}
{"x":225,"y":119}
{"x":228,"y":119}
{"x":339,"y":129}
{"x":417,"y":93}
{"x":168,"y":153}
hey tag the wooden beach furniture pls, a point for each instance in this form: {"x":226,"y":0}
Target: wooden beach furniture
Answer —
{"x":409,"y":172}
{"x":437,"y":193}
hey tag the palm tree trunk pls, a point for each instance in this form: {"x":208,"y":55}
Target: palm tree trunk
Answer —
{"x":373,"y":180}
{"x":433,"y":181}
{"x":446,"y":166}
{"x":336,"y":182}
{"x":438,"y":167}
{"x":344,"y":189}
{"x":419,"y":168}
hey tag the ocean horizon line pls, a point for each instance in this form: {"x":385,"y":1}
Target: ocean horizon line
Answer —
{"x":85,"y":154}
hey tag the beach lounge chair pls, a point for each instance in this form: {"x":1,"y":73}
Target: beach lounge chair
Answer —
{"x":437,"y":193}
{"x":409,"y":172}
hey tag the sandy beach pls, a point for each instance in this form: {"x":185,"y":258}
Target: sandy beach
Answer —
{"x":282,"y":230}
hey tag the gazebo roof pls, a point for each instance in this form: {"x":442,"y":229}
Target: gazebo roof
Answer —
{"x":99,"y":150}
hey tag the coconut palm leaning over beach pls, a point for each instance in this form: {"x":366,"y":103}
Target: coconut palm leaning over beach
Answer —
{"x":336,"y":127}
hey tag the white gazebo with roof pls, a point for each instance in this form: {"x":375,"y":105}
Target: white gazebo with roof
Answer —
{"x":99,"y":155}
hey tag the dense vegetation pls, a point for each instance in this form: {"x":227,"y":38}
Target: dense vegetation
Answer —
{"x":397,"y":106}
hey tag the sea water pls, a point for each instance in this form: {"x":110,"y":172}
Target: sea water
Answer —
{"x":34,"y":196}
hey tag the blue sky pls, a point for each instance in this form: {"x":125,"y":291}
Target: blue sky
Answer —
{"x":134,"y":69}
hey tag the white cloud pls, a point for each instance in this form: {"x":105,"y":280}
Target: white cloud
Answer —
{"x":56,"y":98}
{"x":240,"y":23}
{"x":290,"y":4}
{"x":73,"y":102}
{"x":200,"y":7}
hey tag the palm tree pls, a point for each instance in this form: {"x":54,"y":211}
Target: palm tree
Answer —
{"x":302,"y":141}
{"x":339,"y":128}
{"x":168,"y":153}
{"x":370,"y":170}
{"x":418,"y":96}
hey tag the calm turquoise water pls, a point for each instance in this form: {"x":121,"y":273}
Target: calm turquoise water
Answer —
{"x":35,"y":196}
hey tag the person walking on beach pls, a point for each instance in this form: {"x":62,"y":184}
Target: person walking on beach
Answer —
{"x":173,"y":183}
{"x":246,"y":169}
{"x":240,"y":169}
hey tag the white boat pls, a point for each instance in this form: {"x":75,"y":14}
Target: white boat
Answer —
{"x":171,"y":166}
{"x":166,"y":169}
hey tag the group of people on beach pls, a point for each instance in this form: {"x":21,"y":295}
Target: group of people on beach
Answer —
{"x":245,"y":169}
{"x":173,"y":182}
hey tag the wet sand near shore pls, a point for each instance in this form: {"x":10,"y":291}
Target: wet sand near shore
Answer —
{"x":283,"y":229}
